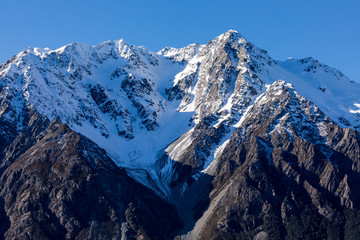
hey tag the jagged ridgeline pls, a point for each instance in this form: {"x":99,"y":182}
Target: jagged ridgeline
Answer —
{"x":214,"y":141}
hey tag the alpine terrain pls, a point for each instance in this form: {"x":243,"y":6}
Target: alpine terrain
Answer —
{"x":213,"y":141}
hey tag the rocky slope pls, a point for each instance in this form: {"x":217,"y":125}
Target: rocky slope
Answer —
{"x":105,"y":141}
{"x":57,"y":184}
{"x":287,"y":172}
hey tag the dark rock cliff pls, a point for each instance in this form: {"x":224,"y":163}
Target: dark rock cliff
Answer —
{"x":288,"y":172}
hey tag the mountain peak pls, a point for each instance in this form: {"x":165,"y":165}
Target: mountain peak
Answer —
{"x":181,"y":54}
{"x":232,"y":32}
{"x":235,"y":40}
{"x":231,"y":35}
{"x":38,"y":51}
{"x":73,"y":47}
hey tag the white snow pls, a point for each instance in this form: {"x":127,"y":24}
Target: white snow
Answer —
{"x":340,"y":92}
{"x":212,"y":162}
{"x":322,"y":129}
{"x":176,"y":149}
{"x":357,"y":105}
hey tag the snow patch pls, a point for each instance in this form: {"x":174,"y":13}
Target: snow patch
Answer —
{"x":212,"y":162}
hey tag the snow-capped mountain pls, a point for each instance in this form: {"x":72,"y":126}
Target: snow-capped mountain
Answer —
{"x":179,"y":119}
{"x":135,"y":103}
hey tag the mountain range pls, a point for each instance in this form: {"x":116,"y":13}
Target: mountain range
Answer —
{"x":209,"y":141}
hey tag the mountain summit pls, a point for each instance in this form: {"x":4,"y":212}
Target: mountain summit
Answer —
{"x":218,"y":140}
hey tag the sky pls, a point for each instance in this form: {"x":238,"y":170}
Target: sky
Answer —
{"x":326,"y":30}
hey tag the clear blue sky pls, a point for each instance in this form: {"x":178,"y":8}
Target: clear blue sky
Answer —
{"x":326,"y":30}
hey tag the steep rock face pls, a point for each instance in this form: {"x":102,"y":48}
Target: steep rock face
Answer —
{"x":222,"y":80}
{"x":286,"y":172}
{"x":223,"y":72}
{"x":57,"y":184}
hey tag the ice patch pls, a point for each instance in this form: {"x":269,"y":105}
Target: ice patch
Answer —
{"x":176,"y":149}
{"x":355,"y":111}
{"x":213,"y":161}
{"x":322,"y":129}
